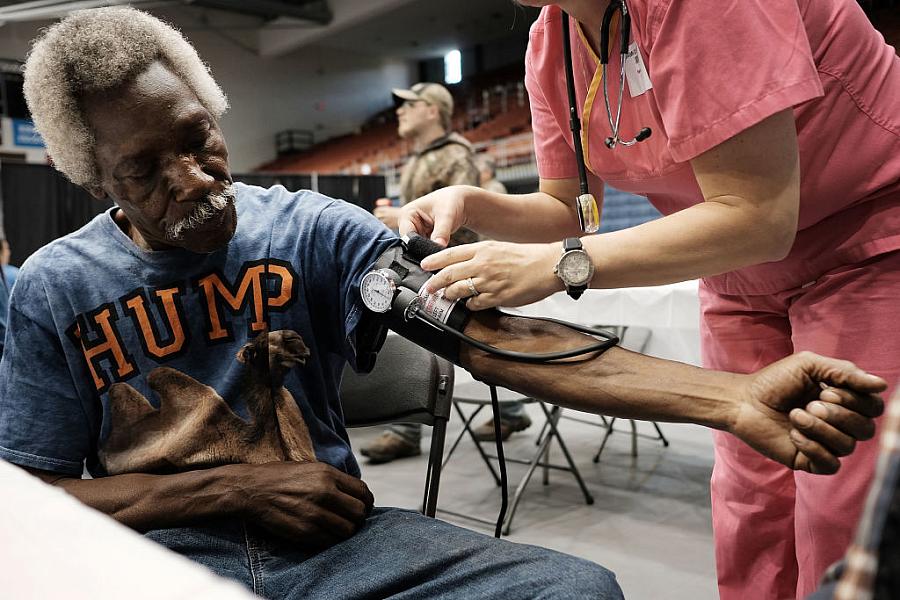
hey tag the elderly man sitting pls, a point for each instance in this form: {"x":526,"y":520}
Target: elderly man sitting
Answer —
{"x":188,"y":345}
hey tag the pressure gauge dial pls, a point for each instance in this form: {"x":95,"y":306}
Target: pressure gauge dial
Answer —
{"x":377,"y":289}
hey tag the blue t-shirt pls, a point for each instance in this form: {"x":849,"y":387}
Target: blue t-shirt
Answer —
{"x":139,"y":361}
{"x":4,"y":307}
{"x":10,"y":272}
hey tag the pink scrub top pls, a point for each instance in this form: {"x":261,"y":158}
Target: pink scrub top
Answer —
{"x":717,"y":67}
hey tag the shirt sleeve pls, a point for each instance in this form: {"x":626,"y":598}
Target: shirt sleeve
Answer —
{"x":42,"y":420}
{"x":719,"y":67}
{"x":347,"y":242}
{"x":554,"y":156}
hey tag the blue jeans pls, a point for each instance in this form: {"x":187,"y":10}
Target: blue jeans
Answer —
{"x":397,"y":554}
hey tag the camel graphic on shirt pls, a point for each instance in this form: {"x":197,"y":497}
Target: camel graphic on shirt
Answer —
{"x":195,"y":428}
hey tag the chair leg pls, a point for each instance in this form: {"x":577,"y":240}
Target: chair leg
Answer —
{"x":660,"y":434}
{"x":532,"y":465}
{"x":547,"y":462}
{"x":609,"y":432}
{"x":633,"y":438}
{"x":467,"y":428}
{"x":552,"y":418}
{"x":465,"y":420}
{"x":540,"y":437}
{"x":550,"y":432}
{"x":433,"y":476}
{"x":588,"y":498}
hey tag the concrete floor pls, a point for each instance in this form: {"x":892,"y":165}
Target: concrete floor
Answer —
{"x":650,"y":522}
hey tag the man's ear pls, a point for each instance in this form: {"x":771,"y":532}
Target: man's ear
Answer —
{"x":95,"y":190}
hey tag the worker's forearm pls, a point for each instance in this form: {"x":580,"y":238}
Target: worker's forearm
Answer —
{"x":706,"y":239}
{"x":536,"y":217}
{"x":145,"y":502}
{"x":616,"y":383}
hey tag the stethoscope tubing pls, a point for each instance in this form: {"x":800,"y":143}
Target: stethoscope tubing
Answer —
{"x":585,"y":200}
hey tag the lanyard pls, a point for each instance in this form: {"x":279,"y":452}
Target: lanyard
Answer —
{"x":593,"y":88}
{"x":585,"y":203}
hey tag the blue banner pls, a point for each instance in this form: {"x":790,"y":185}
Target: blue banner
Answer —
{"x":25,"y":134}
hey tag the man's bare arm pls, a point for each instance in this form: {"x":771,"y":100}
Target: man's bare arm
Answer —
{"x":781,"y":411}
{"x":312,"y":504}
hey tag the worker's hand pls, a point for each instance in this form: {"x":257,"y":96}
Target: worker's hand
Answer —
{"x":504,"y":274}
{"x":312,"y":505}
{"x":387,"y":215}
{"x":436,"y":215}
{"x":787,"y":415}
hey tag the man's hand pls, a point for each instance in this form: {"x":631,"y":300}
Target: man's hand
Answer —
{"x":807,"y":410}
{"x":311,"y":504}
{"x":388,"y":215}
{"x":782,"y":411}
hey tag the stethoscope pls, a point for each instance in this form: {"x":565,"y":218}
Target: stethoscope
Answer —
{"x":588,"y":212}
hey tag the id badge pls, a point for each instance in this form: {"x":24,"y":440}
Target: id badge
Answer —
{"x":636,"y":72}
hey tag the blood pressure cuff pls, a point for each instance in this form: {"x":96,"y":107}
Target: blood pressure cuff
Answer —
{"x":372,"y":329}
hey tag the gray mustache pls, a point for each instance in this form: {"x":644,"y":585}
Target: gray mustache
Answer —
{"x":205,"y":210}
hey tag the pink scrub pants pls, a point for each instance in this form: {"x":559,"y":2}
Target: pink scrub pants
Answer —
{"x":777,"y":531}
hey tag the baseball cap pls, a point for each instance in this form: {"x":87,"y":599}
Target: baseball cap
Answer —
{"x":433,"y":93}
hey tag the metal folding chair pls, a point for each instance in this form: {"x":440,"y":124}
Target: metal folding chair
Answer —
{"x":407,"y":385}
{"x":477,"y":394}
{"x":633,"y":338}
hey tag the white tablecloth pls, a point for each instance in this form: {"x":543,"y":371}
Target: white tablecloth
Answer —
{"x":52,"y":546}
{"x":670,"y":312}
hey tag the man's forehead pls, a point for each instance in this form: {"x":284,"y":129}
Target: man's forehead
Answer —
{"x":156,"y":101}
{"x":157,"y":83}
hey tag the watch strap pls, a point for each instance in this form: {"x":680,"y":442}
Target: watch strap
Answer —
{"x":575,"y":292}
{"x":572,"y":243}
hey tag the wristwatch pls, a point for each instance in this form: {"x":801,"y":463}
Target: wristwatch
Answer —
{"x":575,"y":268}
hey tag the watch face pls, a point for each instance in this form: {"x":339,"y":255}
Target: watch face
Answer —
{"x":377,"y":291}
{"x":575,"y":268}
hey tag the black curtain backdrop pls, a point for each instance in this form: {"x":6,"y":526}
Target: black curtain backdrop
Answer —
{"x":291,"y":182}
{"x":361,"y":190}
{"x":40,"y":205}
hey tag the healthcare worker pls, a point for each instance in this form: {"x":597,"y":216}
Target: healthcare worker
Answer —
{"x":770,"y":139}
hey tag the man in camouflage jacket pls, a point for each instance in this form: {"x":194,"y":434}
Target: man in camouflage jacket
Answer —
{"x":441,"y":158}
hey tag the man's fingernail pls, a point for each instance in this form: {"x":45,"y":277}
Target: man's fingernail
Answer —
{"x":796,"y":437}
{"x":818,"y":408}
{"x":875,"y":379}
{"x":830,"y":395}
{"x":804,"y":418}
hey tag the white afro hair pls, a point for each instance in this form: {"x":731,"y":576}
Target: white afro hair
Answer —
{"x":100,"y":49}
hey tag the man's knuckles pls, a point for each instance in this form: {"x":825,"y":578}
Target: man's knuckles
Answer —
{"x":849,"y":421}
{"x":812,"y":457}
{"x":870,"y":405}
{"x":815,"y":428}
